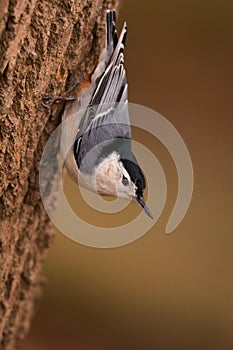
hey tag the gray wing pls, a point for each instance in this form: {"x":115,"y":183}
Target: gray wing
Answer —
{"x":101,"y":75}
{"x":106,"y":118}
{"x":101,"y":140}
{"x":112,"y":85}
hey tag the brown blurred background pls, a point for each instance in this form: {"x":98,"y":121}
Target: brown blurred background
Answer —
{"x":162,"y":291}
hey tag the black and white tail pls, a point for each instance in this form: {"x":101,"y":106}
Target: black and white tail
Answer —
{"x":112,"y":84}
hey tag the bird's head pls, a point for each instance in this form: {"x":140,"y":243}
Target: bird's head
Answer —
{"x":122,"y":178}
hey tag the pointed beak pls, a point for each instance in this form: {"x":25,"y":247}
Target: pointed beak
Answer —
{"x":142,"y":204}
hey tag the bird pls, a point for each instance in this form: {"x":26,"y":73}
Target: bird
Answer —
{"x":101,"y":157}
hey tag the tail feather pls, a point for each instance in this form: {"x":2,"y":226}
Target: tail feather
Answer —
{"x":109,"y":81}
{"x":111,"y":32}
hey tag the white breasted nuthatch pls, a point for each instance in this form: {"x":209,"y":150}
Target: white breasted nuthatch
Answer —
{"x":101,"y":158}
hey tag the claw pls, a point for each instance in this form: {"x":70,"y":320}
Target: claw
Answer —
{"x":49,"y":100}
{"x":76,"y":83}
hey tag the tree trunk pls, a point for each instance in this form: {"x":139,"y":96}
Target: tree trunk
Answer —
{"x":43,"y":46}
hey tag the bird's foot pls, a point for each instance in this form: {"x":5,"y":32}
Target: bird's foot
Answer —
{"x":49,"y":100}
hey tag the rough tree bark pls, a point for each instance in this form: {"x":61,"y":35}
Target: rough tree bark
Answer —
{"x":43,"y":43}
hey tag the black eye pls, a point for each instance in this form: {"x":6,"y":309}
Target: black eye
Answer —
{"x":125,"y":181}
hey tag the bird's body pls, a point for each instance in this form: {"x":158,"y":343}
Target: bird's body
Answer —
{"x":101,"y":158}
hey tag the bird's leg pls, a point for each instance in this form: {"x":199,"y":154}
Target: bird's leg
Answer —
{"x":49,"y":100}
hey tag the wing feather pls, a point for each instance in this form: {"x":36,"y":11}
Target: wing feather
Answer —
{"x":106,"y":118}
